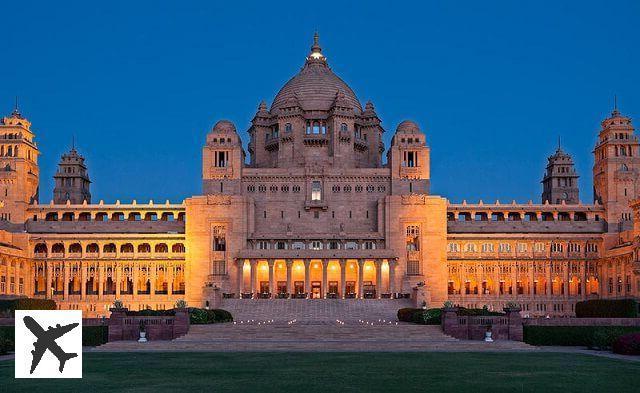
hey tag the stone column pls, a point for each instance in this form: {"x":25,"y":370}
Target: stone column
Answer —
{"x":83,"y":281}
{"x":118,"y":279}
{"x":307,"y":276}
{"x":240,"y":277}
{"x":289,"y":264}
{"x":65,"y":275}
{"x":532,"y":277}
{"x":254,"y":264}
{"x":134,"y":277}
{"x":360,"y":278}
{"x":100,"y":273}
{"x":378,"y":264}
{"x":514,"y":279}
{"x":549,"y":275}
{"x":325,"y":268}
{"x":49,"y":273}
{"x":583,"y":281}
{"x":16,"y":278}
{"x":392,"y":277}
{"x":343,"y":278}
{"x":170,"y":278}
{"x":565,"y":279}
{"x":272,"y":283}
{"x":154,"y":278}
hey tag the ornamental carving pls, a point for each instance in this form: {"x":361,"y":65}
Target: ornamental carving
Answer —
{"x":414,"y":199}
{"x":218,"y":200}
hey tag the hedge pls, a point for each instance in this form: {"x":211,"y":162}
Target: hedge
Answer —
{"x":92,"y":336}
{"x":7,"y":339}
{"x":614,"y":308}
{"x":151,"y":313}
{"x":478,"y":312}
{"x":583,"y":336}
{"x":628,"y":344}
{"x":26,"y":304}
{"x":201,"y":316}
{"x":431,"y":316}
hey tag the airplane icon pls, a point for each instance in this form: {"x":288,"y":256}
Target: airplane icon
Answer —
{"x":47,"y":340}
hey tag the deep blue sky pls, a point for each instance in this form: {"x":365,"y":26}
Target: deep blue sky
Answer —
{"x":493,"y":84}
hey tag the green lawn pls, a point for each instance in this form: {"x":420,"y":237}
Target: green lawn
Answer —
{"x":305,"y":372}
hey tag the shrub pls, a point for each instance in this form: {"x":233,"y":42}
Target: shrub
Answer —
{"x":6,"y":344}
{"x":151,"y":313}
{"x":92,"y":336}
{"x":628,"y":344}
{"x":587,"y":336}
{"x":601,"y":308}
{"x":406,"y":314}
{"x":181,"y":303}
{"x":27,"y":304}
{"x":200,"y":316}
{"x":478,"y":312}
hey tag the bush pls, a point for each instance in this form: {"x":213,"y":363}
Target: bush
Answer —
{"x":478,"y":312}
{"x":6,"y":344}
{"x":151,"y":313}
{"x":583,"y":336}
{"x":628,"y":344}
{"x":92,"y":336}
{"x":200,"y":316}
{"x":27,"y":304}
{"x":417,"y":315}
{"x":615,"y":308}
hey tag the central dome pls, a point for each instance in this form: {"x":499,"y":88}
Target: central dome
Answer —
{"x":315,"y":87}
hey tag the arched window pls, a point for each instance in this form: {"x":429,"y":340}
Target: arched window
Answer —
{"x":161,"y":247}
{"x":287,"y":127}
{"x":93,"y":248}
{"x":178,"y":248}
{"x":343,"y":127}
{"x":109,"y":247}
{"x":75,"y":247}
{"x":126,"y":248}
{"x":40,"y":248}
{"x":58,"y":248}
{"x":316,"y":127}
{"x":144,"y":247}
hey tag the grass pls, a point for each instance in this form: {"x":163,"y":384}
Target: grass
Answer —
{"x":340,"y":372}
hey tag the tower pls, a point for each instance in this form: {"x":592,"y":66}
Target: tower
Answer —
{"x":616,"y":170}
{"x":560,"y":182}
{"x":409,"y":160}
{"x":72,"y":179}
{"x":19,"y":173}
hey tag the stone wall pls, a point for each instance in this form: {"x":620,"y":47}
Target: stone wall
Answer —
{"x":581,"y":321}
{"x":123,"y":327}
{"x":507,"y":327}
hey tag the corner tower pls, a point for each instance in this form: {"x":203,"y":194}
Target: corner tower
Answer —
{"x":19,"y":173}
{"x":72,"y":180}
{"x":560,"y":182}
{"x":409,"y":160}
{"x":616,"y":170}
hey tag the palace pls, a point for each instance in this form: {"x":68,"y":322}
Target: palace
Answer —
{"x":316,"y":211}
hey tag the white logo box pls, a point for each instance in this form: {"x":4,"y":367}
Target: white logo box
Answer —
{"x":69,"y":342}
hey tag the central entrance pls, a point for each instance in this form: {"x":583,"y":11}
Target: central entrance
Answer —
{"x":316,"y":290}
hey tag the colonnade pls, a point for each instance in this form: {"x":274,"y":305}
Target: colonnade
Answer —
{"x":262,"y":281}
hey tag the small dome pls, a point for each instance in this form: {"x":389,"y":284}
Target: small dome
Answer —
{"x":408,"y":127}
{"x":224,"y":126}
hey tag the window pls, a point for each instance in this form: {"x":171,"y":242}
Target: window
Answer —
{"x":273,"y":188}
{"x":262,"y":245}
{"x":262,"y":188}
{"x":470,"y":247}
{"x":335,"y":188}
{"x":487,"y":247}
{"x":522,"y":247}
{"x":592,"y":247}
{"x":219,"y":268}
{"x":358,"y":188}
{"x":284,"y":188}
{"x":573,"y":247}
{"x":369,"y":245}
{"x":504,"y":247}
{"x":334,"y":245}
{"x":351,"y":246}
{"x":370,"y":188}
{"x":539,"y":247}
{"x":219,"y":240}
{"x":316,"y":245}
{"x":454,"y":247}
{"x":295,"y":189}
{"x":346,"y":188}
{"x":316,"y":191}
{"x":287,"y":127}
{"x":343,"y":127}
{"x":556,"y":247}
{"x":281,"y":245}
{"x":413,"y":268}
{"x":297,"y":246}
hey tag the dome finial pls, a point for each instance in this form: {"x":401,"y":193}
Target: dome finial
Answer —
{"x":615,"y":111}
{"x":316,"y":50}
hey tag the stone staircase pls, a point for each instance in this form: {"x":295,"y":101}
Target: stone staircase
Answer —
{"x":314,"y":309}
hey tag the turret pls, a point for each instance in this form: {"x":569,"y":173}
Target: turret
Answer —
{"x":72,"y":181}
{"x":222,"y":160}
{"x":409,"y":160}
{"x":560,"y":182}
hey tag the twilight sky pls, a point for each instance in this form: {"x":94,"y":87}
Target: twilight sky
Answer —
{"x":493,"y":84}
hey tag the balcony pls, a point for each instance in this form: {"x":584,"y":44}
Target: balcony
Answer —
{"x":218,"y":255}
{"x":57,"y":255}
{"x":413,"y":255}
{"x":108,"y":254}
{"x":74,"y":255}
{"x":272,"y":144}
{"x":315,"y":139}
{"x":308,"y":205}
{"x":40,"y":255}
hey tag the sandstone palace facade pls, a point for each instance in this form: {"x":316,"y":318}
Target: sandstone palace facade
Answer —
{"x":317,"y":210}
